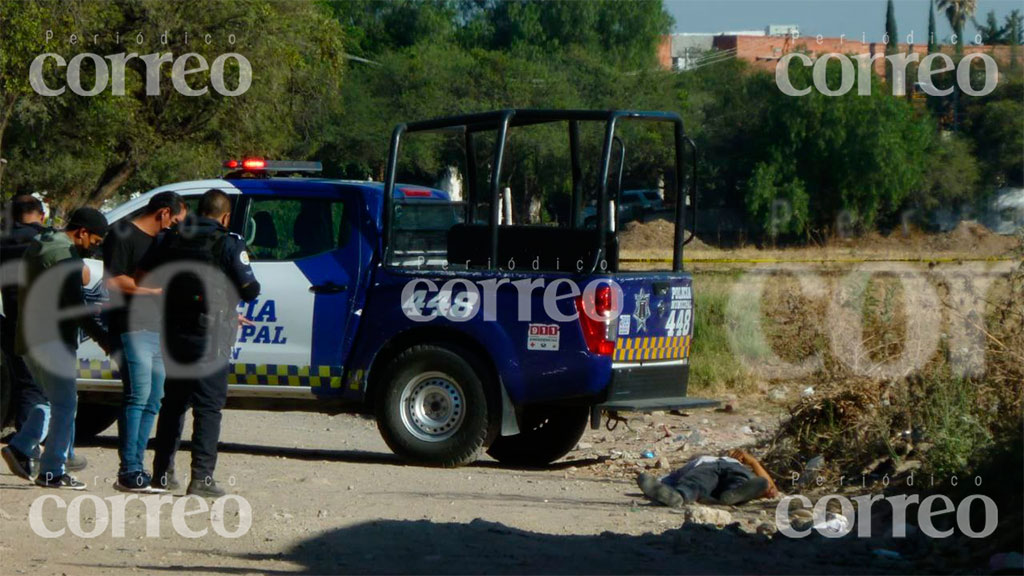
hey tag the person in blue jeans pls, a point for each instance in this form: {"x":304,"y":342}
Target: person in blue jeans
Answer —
{"x":54,"y":276}
{"x":135,"y":326}
{"x":27,"y":216}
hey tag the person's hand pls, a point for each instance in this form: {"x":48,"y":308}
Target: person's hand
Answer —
{"x":740,"y":455}
{"x":243,"y":321}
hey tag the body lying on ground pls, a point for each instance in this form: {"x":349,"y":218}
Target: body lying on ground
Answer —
{"x":732,"y":480}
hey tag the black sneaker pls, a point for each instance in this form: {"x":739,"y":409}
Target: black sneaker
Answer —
{"x":49,"y":480}
{"x":20,"y":464}
{"x":137,"y":482}
{"x":659,"y":492}
{"x":205,"y":487}
{"x":166,"y":480}
{"x":76,"y":463}
{"x":749,"y":490}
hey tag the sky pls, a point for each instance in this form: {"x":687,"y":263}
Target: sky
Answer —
{"x":829,"y":18}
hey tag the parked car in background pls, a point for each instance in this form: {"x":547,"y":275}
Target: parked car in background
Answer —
{"x":634,"y":205}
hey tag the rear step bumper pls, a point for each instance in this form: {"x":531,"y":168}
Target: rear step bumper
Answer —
{"x":645,"y":387}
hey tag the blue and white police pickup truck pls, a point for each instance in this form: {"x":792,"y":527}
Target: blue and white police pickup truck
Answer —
{"x":461,"y":331}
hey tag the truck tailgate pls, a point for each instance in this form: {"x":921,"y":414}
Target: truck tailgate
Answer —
{"x":650,"y":365}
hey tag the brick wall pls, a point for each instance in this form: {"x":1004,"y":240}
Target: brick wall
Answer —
{"x":765,"y":51}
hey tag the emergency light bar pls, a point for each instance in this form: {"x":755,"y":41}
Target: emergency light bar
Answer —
{"x":259,"y":164}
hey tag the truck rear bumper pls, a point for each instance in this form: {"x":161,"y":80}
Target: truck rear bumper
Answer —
{"x":647,"y":386}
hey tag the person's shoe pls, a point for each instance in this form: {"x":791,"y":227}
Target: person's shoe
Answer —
{"x":749,"y":490}
{"x":204,"y":487}
{"x":65,"y":481}
{"x":165,"y":481}
{"x":137,"y":482}
{"x":20,"y":464}
{"x":76,"y":463}
{"x":659,"y":492}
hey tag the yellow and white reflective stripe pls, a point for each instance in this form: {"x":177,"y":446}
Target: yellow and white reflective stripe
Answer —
{"x":251,"y":374}
{"x":652,"y":348}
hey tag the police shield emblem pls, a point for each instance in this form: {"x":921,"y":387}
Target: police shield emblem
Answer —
{"x":643,"y":310}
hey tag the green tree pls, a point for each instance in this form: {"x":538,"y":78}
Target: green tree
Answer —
{"x":857,"y":157}
{"x":372,"y":27}
{"x":892,"y":36}
{"x":991,"y":31}
{"x":994,"y":125}
{"x":23,"y":36}
{"x":627,"y":32}
{"x":1011,"y":31}
{"x":958,"y":12}
{"x":94,"y":146}
{"x":933,"y":42}
{"x":952,"y":178}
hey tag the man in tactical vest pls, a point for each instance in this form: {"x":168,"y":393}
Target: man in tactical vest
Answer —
{"x":207,"y":271}
{"x":23,"y":223}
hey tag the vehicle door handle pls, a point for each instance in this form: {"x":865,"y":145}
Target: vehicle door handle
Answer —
{"x":328,"y":288}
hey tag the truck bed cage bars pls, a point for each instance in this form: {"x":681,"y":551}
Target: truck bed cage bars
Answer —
{"x":500,"y":121}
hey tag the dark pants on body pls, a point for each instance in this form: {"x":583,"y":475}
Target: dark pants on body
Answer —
{"x":709,"y":480}
{"x":25,"y":393}
{"x":206,"y":395}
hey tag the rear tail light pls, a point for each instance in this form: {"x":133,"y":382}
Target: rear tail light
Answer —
{"x":599,"y":328}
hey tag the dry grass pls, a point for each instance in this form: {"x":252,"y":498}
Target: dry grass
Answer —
{"x":653,"y":240}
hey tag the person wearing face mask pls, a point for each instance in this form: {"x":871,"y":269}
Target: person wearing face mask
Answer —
{"x":26,"y":222}
{"x":54,"y":277}
{"x":209,"y":273}
{"x":135,"y":332}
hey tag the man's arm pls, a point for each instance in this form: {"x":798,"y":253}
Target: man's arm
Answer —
{"x":74,"y":296}
{"x":126,"y":285}
{"x":750,"y":462}
{"x":236,"y":265}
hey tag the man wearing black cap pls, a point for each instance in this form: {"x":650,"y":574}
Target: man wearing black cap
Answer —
{"x":54,"y":276}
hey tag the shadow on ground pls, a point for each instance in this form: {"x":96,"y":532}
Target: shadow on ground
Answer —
{"x":352,"y":456}
{"x":424,"y":547}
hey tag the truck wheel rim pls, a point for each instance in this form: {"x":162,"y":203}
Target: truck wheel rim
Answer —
{"x":432,"y":407}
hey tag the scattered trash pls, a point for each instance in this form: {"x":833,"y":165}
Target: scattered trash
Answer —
{"x":649,"y":454}
{"x":887,"y":554}
{"x":811,"y":469}
{"x":584,"y":446}
{"x":834,"y":523}
{"x":747,"y":430}
{"x":807,"y":392}
{"x":777,"y":394}
{"x":908,"y":465}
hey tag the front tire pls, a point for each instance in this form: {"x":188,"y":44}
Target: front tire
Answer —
{"x":433,"y":408}
{"x":547,"y":434}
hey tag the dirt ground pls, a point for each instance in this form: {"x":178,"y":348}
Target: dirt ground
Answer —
{"x":328,"y":497}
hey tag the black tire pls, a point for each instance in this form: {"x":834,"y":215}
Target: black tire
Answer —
{"x":91,"y":419}
{"x":432,"y":407}
{"x":546,"y":434}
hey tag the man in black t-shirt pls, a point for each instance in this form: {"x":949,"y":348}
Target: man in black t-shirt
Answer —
{"x":135,"y":332}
